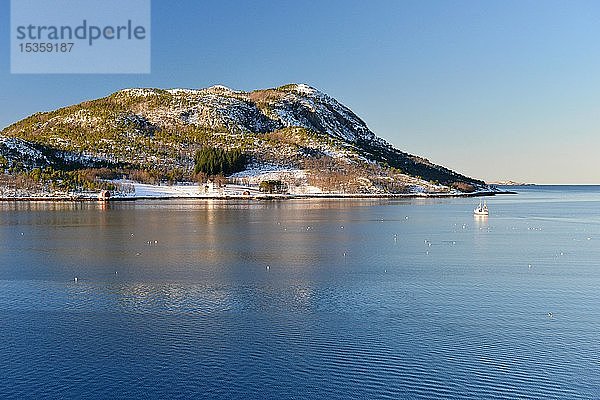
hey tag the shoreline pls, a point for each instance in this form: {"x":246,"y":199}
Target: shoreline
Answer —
{"x":312,"y":196}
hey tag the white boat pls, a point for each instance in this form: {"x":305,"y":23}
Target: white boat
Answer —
{"x":482,"y":209}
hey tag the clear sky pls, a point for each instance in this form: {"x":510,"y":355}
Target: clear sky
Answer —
{"x":493,"y":89}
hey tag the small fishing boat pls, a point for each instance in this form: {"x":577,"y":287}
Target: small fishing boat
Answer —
{"x":482,"y":209}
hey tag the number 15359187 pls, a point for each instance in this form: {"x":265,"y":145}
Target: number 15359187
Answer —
{"x":46,"y":47}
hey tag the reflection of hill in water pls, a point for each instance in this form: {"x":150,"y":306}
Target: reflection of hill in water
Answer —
{"x":187,"y":256}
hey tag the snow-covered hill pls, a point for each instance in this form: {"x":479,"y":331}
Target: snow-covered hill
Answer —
{"x":291,"y":127}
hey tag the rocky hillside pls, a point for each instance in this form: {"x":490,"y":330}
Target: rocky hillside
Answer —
{"x":291,"y":128}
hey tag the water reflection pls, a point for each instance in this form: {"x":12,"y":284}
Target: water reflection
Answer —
{"x":481,"y":221}
{"x":152,"y":255}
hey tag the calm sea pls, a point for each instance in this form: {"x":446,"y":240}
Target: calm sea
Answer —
{"x":303,"y":299}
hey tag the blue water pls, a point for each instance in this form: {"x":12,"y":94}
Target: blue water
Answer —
{"x":303,"y":299}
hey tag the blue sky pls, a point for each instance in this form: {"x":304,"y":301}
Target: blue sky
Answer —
{"x":496,"y":90}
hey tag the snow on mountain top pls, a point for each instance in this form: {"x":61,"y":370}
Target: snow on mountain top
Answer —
{"x":303,"y":88}
{"x":183,"y":91}
{"x":294,"y":104}
{"x":215,"y":89}
{"x":141,"y":92}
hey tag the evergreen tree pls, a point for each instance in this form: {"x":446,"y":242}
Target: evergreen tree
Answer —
{"x":215,"y":161}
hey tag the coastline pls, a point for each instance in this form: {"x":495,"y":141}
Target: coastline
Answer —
{"x":311,"y":196}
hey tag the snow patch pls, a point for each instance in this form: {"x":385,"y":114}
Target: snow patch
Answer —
{"x":303,"y":88}
{"x":15,"y":149}
{"x":183,"y":91}
{"x":140,"y":92}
